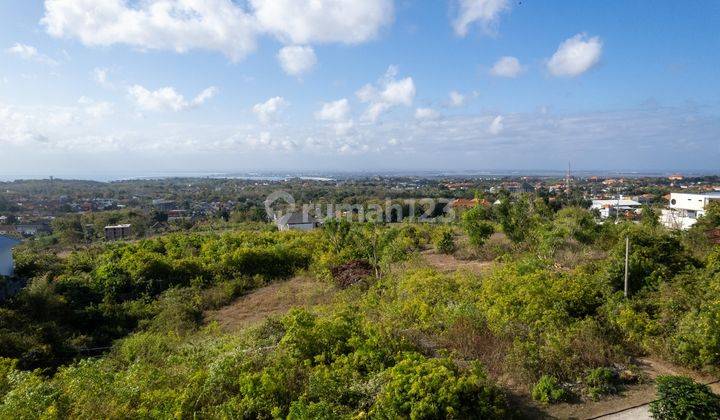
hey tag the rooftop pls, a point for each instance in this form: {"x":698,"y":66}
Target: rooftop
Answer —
{"x":300,"y":218}
{"x":118,"y":226}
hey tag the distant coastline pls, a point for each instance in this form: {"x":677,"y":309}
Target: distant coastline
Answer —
{"x":339,"y":175}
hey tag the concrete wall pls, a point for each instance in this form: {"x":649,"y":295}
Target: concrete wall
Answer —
{"x":299,"y":226}
{"x":692,"y":202}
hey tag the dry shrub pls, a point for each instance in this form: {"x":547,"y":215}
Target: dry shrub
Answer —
{"x":496,"y":246}
{"x":352,"y":272}
{"x":573,"y":254}
{"x":473,"y":340}
{"x":570,"y":353}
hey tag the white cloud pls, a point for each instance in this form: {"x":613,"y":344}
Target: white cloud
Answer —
{"x":266,"y":141}
{"x":100,"y":76}
{"x":399,"y":92}
{"x":496,"y":126}
{"x":334,"y":111}
{"x":267,"y":110}
{"x":178,"y":25}
{"x":506,"y":67}
{"x":28,"y":52}
{"x":486,"y":12}
{"x":457,"y":99}
{"x":296,"y":60}
{"x":166,"y":98}
{"x":366,"y":93}
{"x":337,"y":113}
{"x":96,"y":109}
{"x":575,"y":56}
{"x":389,"y":93}
{"x":426,"y":114}
{"x":203,"y":96}
{"x":99,"y":109}
{"x":323,"y":21}
{"x":227,"y":26}
{"x":454,"y":141}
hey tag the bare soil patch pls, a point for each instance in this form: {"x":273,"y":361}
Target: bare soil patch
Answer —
{"x":448,"y":263}
{"x":273,"y":299}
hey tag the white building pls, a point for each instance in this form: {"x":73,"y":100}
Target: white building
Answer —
{"x":6,"y":258}
{"x":684,"y":209}
{"x":297,"y":221}
{"x":622,"y":204}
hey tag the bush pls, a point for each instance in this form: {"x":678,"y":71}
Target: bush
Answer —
{"x":601,"y":381}
{"x":420,"y":388}
{"x":548,"y":391}
{"x":476,"y":228}
{"x":682,"y":398}
{"x":445,"y":241}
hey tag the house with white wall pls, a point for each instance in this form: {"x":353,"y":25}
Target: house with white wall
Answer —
{"x":610,"y":206}
{"x":6,"y":259}
{"x":684,"y":209}
{"x":296,"y":221}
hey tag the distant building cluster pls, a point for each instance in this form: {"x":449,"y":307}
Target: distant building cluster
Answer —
{"x":615,"y":207}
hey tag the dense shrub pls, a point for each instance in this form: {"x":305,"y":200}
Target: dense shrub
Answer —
{"x":655,"y":257}
{"x":477,"y":229}
{"x":98,"y":295}
{"x":681,"y":398}
{"x":548,"y":391}
{"x":445,"y":241}
{"x":420,"y":388}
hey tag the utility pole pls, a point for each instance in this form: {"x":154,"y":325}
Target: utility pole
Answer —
{"x":627,"y":252}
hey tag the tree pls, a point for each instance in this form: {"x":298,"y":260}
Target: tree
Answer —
{"x":69,"y":229}
{"x":477,"y":229}
{"x":445,"y":241}
{"x":649,"y":216}
{"x":711,"y":219}
{"x":515,"y":218}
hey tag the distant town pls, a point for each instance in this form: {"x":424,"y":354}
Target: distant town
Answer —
{"x":72,"y":212}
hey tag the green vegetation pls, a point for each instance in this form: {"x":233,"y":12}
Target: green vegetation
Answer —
{"x":95,"y":296}
{"x":118,"y":331}
{"x":601,"y":381}
{"x":476,"y":227}
{"x":682,"y":398}
{"x":548,"y":391}
{"x":445,"y":241}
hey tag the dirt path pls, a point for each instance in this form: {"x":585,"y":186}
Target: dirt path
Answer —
{"x":448,"y":263}
{"x":273,"y":299}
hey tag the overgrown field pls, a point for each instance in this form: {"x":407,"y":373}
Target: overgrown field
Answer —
{"x":548,"y":319}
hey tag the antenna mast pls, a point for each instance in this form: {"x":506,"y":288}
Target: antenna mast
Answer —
{"x":567,"y":179}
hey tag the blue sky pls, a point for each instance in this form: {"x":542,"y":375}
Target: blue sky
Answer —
{"x":98,"y":86}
